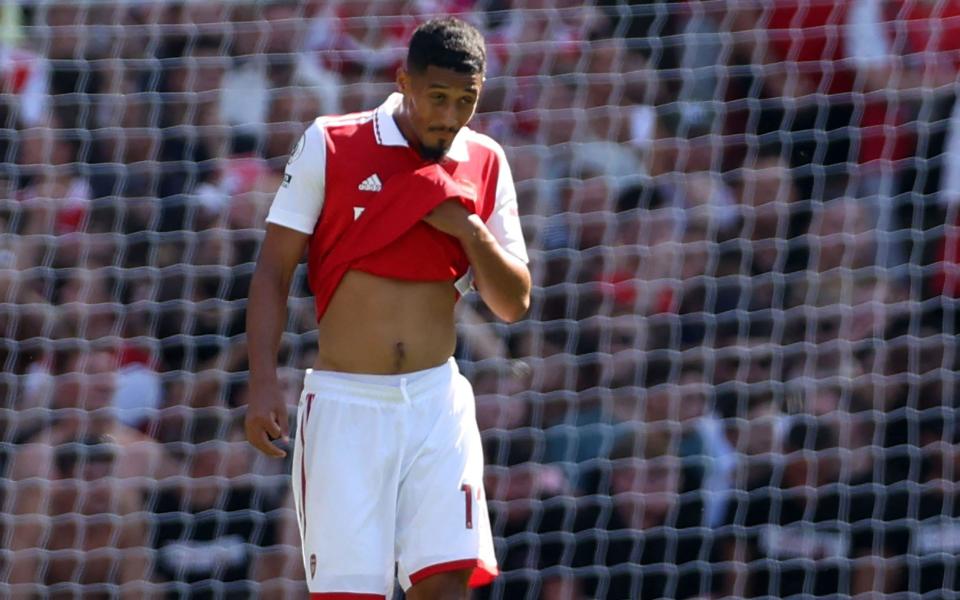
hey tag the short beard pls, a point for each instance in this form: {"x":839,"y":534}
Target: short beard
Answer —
{"x":432,"y":152}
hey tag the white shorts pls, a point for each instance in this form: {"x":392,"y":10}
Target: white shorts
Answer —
{"x":388,"y":481}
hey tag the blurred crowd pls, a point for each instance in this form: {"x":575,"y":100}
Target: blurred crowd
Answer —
{"x":737,"y":375}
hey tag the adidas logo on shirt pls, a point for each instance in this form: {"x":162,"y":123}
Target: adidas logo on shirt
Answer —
{"x":371,"y":184}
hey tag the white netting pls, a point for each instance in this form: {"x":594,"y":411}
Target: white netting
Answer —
{"x":737,"y":376}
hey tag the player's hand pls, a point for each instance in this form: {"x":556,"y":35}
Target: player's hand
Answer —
{"x":266,"y":419}
{"x":452,"y":218}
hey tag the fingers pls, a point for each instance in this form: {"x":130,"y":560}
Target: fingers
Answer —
{"x":272,"y":426}
{"x":262,"y":430}
{"x":284,"y":423}
{"x":279,"y":425}
{"x":259,"y":440}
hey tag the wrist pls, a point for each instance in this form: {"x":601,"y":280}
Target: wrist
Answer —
{"x":475,"y":233}
{"x":263,"y":379}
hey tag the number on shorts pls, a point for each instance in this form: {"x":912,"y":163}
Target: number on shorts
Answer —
{"x":468,"y":497}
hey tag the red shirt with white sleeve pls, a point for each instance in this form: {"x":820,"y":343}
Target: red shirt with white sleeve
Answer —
{"x":354,"y":184}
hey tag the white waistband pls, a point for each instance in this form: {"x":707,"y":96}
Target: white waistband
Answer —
{"x":381,"y":387}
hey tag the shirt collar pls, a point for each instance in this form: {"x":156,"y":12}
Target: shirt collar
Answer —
{"x":388,"y":133}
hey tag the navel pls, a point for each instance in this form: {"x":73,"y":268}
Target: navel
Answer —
{"x":399,"y":354}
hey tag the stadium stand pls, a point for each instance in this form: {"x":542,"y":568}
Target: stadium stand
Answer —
{"x":738,"y":375}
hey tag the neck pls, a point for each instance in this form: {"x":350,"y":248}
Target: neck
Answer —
{"x":406,"y":128}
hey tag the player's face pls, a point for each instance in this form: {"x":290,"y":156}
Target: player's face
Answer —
{"x":437,"y":103}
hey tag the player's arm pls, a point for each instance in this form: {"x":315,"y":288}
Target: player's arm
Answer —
{"x":501,"y":279}
{"x":495,"y":248}
{"x":290,"y":223}
{"x":266,"y":316}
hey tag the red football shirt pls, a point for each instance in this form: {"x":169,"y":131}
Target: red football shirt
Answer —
{"x":354,"y":184}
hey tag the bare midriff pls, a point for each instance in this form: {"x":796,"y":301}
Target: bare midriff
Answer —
{"x":386,"y":326}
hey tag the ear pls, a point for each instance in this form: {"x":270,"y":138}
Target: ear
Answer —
{"x":403,"y":80}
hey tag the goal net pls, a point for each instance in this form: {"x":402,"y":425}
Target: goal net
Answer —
{"x":737,"y":376}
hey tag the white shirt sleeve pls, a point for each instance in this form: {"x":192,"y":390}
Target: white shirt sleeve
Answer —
{"x":299,"y":199}
{"x":504,"y":221}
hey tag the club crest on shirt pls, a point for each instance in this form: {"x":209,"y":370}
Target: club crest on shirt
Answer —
{"x":297,"y":149}
{"x":313,"y":565}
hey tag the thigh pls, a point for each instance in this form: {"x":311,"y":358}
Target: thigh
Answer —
{"x":345,"y":476}
{"x":442,"y":520}
{"x":451,"y":585}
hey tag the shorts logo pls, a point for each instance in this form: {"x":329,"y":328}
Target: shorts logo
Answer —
{"x":313,"y":565}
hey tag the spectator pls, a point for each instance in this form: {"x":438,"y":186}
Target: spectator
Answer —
{"x":86,"y":310}
{"x":21,"y":287}
{"x":795,"y":36}
{"x":362,"y":42}
{"x":195,"y":134}
{"x":719,"y":193}
{"x":766,"y":199}
{"x":98,"y":536}
{"x":126,"y":149}
{"x":274,"y":80}
{"x":210,"y":323}
{"x":139,"y":393}
{"x":213,"y":528}
{"x":798,"y":514}
{"x":61,"y":36}
{"x":709,"y":458}
{"x":82,"y":398}
{"x":652,"y":535}
{"x":752,"y":426}
{"x":56,"y":196}
{"x":918,"y":543}
{"x":84,"y":298}
{"x":646,"y":263}
{"x":24,"y":76}
{"x":907,"y":51}
{"x":843,"y":237}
